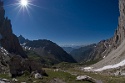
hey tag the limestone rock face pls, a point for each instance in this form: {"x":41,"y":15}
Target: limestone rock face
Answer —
{"x":120,"y":33}
{"x":105,"y":47}
{"x":8,"y":40}
{"x":115,"y":53}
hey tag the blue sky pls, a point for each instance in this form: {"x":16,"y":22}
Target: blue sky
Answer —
{"x":65,"y":22}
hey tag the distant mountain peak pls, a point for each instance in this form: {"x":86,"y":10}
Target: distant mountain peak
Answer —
{"x":22,"y":40}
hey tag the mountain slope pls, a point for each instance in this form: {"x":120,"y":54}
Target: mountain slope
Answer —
{"x":82,"y":53}
{"x":116,"y":56}
{"x":93,"y":52}
{"x":48,"y":50}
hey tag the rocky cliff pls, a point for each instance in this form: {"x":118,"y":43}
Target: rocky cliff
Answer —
{"x":8,"y":40}
{"x":116,"y":51}
{"x":119,"y":35}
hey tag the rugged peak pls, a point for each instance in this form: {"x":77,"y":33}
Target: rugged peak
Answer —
{"x":22,"y":40}
{"x":122,"y":14}
{"x":8,"y":40}
{"x":21,"y":36}
{"x":120,"y":33}
{"x":122,"y":7}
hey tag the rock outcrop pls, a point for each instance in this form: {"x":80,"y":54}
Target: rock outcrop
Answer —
{"x":4,"y":58}
{"x":101,"y":50}
{"x":86,"y":78}
{"x":8,"y":40}
{"x":19,"y":66}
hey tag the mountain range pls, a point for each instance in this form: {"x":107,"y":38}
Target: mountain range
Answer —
{"x":47,"y":50}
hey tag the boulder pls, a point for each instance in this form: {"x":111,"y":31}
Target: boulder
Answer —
{"x":14,"y":79}
{"x":38,"y":76}
{"x":4,"y":81}
{"x":85,"y":78}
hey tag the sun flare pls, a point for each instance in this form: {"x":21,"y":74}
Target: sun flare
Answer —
{"x":24,"y":3}
{"x":23,"y":6}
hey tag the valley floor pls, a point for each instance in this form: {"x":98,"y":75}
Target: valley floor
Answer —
{"x":67,"y":76}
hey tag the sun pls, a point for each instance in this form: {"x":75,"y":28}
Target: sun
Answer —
{"x":24,"y":3}
{"x":23,"y":6}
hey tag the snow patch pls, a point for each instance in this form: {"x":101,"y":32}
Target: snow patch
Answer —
{"x":81,"y":77}
{"x":29,"y":48}
{"x":23,"y":44}
{"x":88,"y":68}
{"x":103,"y":56}
{"x":122,"y":63}
{"x":4,"y":51}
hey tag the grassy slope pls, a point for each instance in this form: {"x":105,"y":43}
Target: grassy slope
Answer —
{"x":64,"y":76}
{"x":102,"y":77}
{"x":68,"y":78}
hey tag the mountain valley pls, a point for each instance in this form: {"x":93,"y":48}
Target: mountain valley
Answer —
{"x":43,"y":61}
